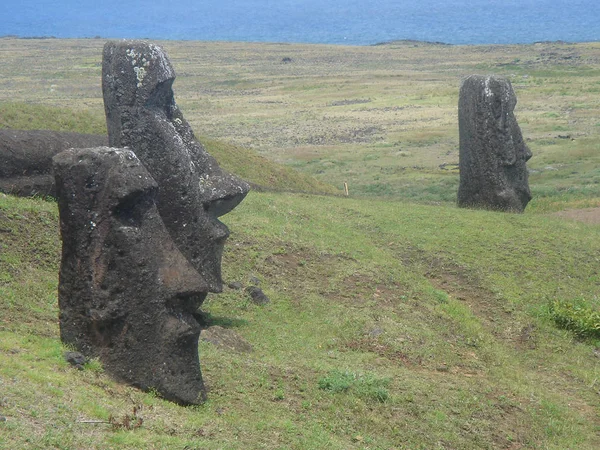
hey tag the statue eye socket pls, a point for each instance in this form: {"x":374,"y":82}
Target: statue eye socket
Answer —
{"x":162,"y":96}
{"x":132,"y":209}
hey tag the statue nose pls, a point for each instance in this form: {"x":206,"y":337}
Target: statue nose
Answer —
{"x":177,"y":274}
{"x":221,"y":192}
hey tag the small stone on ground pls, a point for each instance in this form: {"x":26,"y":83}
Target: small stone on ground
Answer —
{"x":257,"y":296}
{"x":236,"y":285}
{"x":76,"y":359}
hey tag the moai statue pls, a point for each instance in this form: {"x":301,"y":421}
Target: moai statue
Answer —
{"x":26,"y":158}
{"x":126,"y":293}
{"x":193,"y":191}
{"x":493,"y":155}
{"x":142,"y":242}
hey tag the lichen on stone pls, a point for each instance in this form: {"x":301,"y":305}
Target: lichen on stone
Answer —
{"x":140,"y":73}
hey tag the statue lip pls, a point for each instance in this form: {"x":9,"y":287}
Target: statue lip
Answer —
{"x":222,"y":206}
{"x":184,"y":307}
{"x":219,"y":231}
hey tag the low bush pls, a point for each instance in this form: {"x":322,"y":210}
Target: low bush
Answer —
{"x":363,"y":385}
{"x":576,"y":316}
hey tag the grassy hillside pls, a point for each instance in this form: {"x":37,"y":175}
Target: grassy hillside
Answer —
{"x":405,"y":323}
{"x":391,"y":325}
{"x":381,"y":118}
{"x":262,"y":173}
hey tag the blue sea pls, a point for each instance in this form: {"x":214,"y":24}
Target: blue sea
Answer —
{"x":356,"y":22}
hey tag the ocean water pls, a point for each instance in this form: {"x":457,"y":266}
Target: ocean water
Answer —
{"x":356,"y":22}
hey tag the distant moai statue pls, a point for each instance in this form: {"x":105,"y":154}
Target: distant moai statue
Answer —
{"x":493,"y":155}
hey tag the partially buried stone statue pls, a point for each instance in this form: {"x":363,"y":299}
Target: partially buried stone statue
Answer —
{"x":493,"y":155}
{"x":142,"y":242}
{"x":26,"y":158}
{"x":126,"y":293}
{"x":141,"y":114}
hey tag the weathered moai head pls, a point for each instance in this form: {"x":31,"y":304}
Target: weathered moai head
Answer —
{"x":142,"y":115}
{"x":126,"y":293}
{"x":493,"y":155}
{"x":26,"y":158}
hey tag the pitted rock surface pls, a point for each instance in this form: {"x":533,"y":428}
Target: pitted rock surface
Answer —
{"x":26,"y":158}
{"x":141,"y":114}
{"x":493,"y":155}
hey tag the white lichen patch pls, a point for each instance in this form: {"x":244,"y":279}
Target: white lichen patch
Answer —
{"x":126,"y":155}
{"x":159,"y":57}
{"x":140,"y":73}
{"x":204,"y":183}
{"x":146,"y":59}
{"x":487,"y":90}
{"x":139,"y":63}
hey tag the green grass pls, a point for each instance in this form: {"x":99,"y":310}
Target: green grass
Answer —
{"x":578,"y":316}
{"x":396,"y":319}
{"x":259,"y":171}
{"x":30,"y":116}
{"x":380,"y":118}
{"x":365,"y":386}
{"x":383,"y":331}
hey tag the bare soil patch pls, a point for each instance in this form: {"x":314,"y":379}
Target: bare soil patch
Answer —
{"x":586,"y":215}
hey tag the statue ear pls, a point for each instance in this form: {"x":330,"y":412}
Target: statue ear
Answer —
{"x":508,"y":149}
{"x":502,"y":115}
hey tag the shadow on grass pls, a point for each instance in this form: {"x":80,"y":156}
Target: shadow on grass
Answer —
{"x":206,"y":319}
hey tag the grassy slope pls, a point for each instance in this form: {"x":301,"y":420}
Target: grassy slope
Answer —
{"x":445,"y":308}
{"x":256,"y":169}
{"x":442,"y":313}
{"x":382,"y":118}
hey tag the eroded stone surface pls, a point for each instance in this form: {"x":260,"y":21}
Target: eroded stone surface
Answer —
{"x":126,"y":293}
{"x":26,"y":158}
{"x":493,"y":155}
{"x":141,"y":114}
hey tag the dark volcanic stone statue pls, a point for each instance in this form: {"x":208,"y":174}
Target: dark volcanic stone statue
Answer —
{"x":142,"y":242}
{"x":493,"y":155}
{"x":26,"y":158}
{"x":126,"y":293}
{"x":193,"y":191}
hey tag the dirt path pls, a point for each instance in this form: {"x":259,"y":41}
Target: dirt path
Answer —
{"x":587,"y":215}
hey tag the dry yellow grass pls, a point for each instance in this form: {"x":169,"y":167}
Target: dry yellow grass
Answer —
{"x":341,"y":113}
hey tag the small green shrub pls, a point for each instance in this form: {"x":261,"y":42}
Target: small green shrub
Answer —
{"x":94,"y":365}
{"x":363,"y":385}
{"x":576,"y":316}
{"x":337,"y":381}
